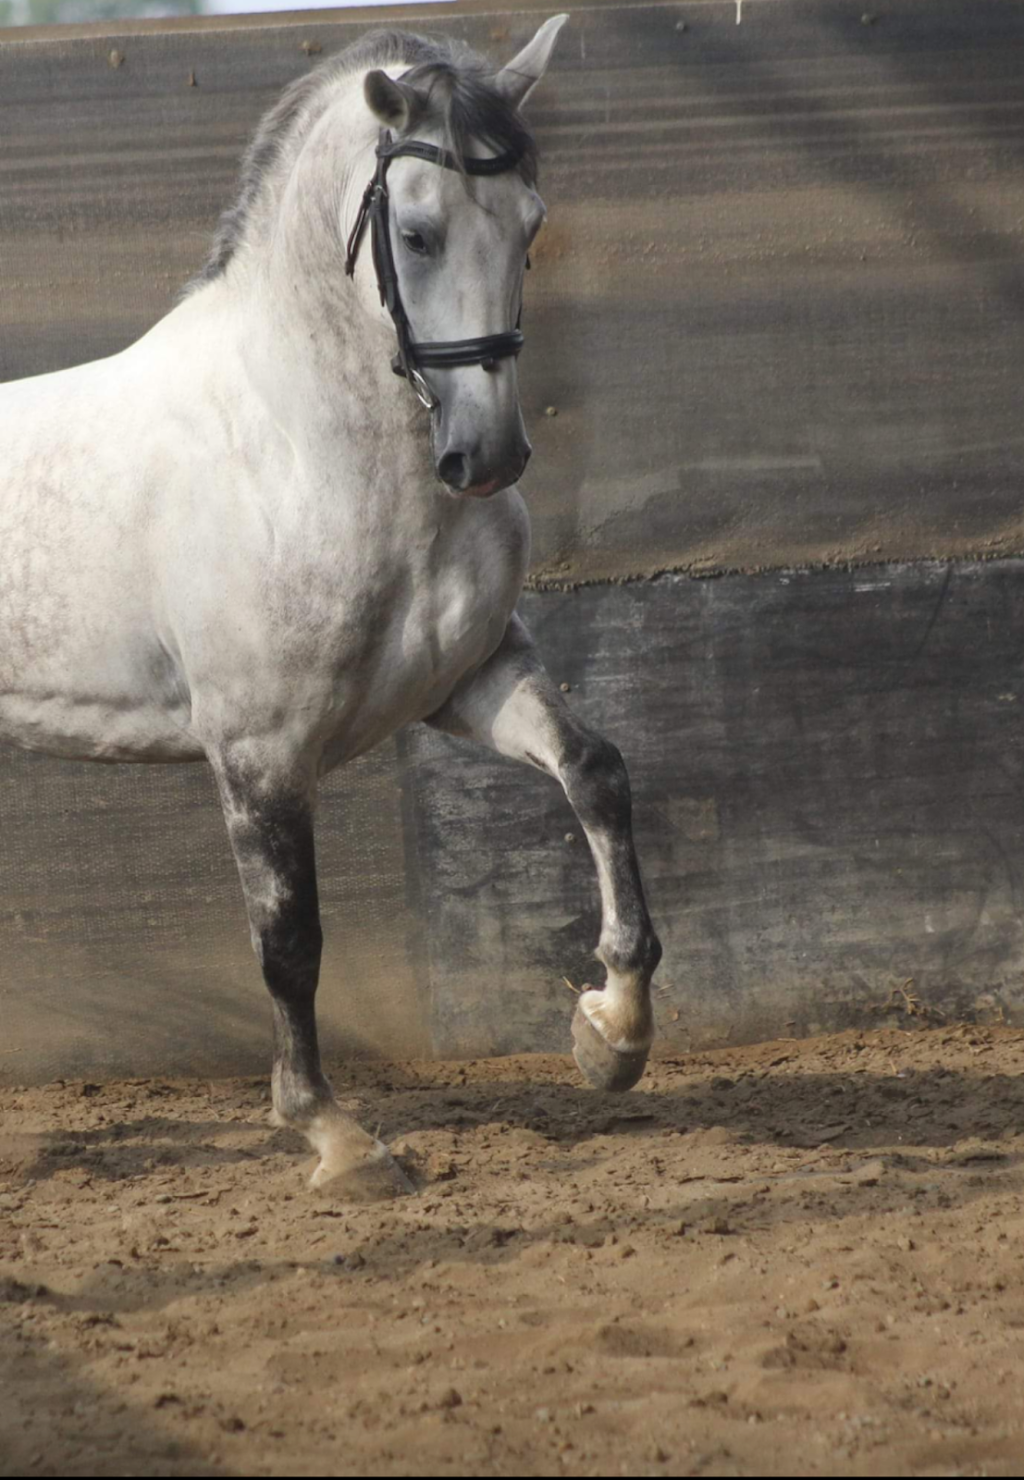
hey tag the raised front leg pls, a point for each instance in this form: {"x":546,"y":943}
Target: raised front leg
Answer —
{"x":511,"y":705}
{"x":270,"y":824}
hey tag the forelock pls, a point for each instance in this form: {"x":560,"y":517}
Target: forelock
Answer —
{"x":463,"y":102}
{"x":460,"y":97}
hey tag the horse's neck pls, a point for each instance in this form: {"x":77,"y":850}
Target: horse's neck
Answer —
{"x":318,"y":347}
{"x":306,"y":404}
{"x":312,"y":357}
{"x":323,"y":375}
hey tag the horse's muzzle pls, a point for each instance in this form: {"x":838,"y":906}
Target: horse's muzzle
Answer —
{"x":463,"y":473}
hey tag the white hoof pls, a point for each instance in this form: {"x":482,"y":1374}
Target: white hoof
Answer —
{"x":604,"y":1065}
{"x":353,"y":1165}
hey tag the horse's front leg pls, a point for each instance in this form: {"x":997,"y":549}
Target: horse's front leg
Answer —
{"x":269,"y":815}
{"x":511,"y":705}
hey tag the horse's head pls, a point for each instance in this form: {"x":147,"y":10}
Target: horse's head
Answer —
{"x":458,"y":240}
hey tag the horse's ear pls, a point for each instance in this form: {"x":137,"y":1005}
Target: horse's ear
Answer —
{"x":395,"y":104}
{"x":524,"y":71}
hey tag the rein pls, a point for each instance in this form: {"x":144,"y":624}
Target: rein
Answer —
{"x":442,"y":354}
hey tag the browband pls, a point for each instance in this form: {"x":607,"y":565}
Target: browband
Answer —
{"x":438,"y":354}
{"x":416,"y":149}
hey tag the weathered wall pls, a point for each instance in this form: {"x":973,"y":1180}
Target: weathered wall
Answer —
{"x":778,"y":308}
{"x":779,"y":304}
{"x":828,"y":776}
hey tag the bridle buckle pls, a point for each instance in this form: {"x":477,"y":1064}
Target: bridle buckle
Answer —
{"x":422,"y":389}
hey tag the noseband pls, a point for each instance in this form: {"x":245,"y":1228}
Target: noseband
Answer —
{"x":444,"y":354}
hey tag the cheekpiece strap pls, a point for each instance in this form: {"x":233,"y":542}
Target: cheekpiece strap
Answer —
{"x":373,"y":208}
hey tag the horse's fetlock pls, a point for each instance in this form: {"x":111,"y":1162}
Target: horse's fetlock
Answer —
{"x":298,"y":1102}
{"x":651,"y":953}
{"x":636,"y":955}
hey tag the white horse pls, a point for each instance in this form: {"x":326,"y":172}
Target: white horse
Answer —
{"x":243,"y":540}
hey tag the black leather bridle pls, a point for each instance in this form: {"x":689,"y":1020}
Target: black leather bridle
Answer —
{"x":413,"y":358}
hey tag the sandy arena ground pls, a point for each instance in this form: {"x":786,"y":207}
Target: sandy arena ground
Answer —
{"x":799,"y":1258}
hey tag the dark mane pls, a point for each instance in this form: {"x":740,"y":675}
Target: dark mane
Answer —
{"x":462,"y":102}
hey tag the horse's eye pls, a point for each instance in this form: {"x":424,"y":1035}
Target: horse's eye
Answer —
{"x":415,"y":243}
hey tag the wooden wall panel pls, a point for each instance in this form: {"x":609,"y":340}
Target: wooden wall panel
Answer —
{"x":828,"y":773}
{"x":779,"y":306}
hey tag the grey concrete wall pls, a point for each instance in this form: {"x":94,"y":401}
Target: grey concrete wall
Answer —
{"x":778,"y":311}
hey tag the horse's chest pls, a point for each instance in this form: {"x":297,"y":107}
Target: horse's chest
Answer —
{"x":435,"y":634}
{"x":450,"y":627}
{"x":409,"y":635}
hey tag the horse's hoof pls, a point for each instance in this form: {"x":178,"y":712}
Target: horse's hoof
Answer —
{"x":374,"y":1178}
{"x":601,"y":1065}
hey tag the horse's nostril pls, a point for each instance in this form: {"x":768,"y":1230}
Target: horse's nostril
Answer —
{"x":453,"y":469}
